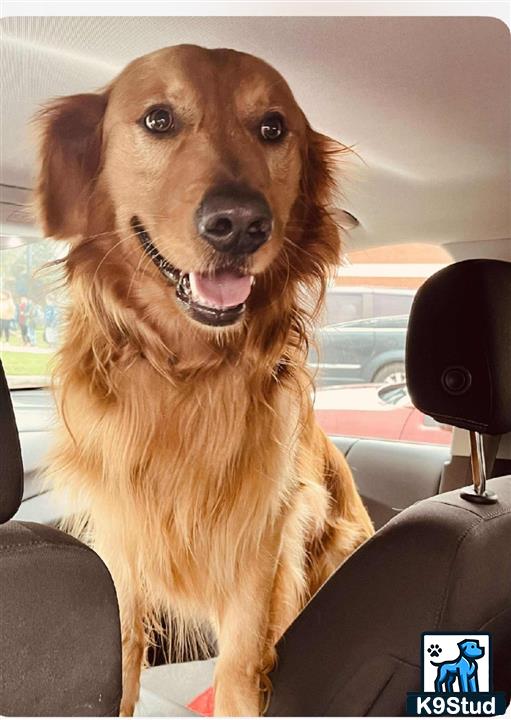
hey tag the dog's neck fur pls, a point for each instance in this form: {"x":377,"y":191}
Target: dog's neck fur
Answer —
{"x":192,"y":411}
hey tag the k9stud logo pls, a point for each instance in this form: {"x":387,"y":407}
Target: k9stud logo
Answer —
{"x":456,"y":663}
{"x":456,"y":677}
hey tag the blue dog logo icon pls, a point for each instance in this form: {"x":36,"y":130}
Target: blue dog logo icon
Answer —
{"x":456,"y":688}
{"x":464,"y":669}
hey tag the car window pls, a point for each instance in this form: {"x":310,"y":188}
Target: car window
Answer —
{"x":352,"y":359}
{"x":31,"y":309}
{"x":359,"y":364}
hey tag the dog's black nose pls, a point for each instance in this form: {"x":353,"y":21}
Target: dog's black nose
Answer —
{"x":234,"y":219}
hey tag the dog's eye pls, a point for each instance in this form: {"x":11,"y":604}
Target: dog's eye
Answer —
{"x":159,"y":120}
{"x":272,"y":127}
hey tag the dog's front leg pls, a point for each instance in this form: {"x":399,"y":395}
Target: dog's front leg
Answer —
{"x":120,"y":560}
{"x":242,"y":640}
{"x":133,"y":648}
{"x":132,"y":659}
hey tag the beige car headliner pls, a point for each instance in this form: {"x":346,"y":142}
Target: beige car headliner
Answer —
{"x":425,"y":101}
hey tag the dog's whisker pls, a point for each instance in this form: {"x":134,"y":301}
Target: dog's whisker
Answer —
{"x":109,"y":251}
{"x":139,"y":269}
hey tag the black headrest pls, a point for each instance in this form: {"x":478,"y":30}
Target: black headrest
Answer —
{"x":458,"y":347}
{"x":11,"y":465}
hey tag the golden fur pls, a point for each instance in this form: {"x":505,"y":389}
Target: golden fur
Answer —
{"x":206,"y":484}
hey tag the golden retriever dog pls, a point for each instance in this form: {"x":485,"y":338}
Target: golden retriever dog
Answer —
{"x":194,"y":197}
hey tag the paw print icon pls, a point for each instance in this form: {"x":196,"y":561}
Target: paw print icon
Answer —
{"x":434,"y":650}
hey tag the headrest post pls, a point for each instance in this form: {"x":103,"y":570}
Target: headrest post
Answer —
{"x":477,"y":462}
{"x":479,"y":494}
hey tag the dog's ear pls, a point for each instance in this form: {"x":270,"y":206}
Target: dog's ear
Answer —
{"x":69,"y":160}
{"x":318,"y":168}
{"x":319,"y":231}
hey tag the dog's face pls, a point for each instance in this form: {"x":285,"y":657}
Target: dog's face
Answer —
{"x":203,"y":156}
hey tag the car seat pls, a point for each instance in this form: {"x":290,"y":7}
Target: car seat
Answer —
{"x":60,"y":646}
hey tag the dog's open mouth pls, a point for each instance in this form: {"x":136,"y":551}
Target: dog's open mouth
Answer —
{"x":216,"y":299}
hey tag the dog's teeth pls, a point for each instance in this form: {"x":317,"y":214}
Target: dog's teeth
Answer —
{"x":193,"y":287}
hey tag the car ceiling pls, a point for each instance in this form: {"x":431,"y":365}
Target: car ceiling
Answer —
{"x":425,"y":101}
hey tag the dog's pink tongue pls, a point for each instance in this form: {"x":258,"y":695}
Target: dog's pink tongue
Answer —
{"x":225,"y":289}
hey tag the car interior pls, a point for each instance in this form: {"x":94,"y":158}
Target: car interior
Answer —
{"x":426,"y":103}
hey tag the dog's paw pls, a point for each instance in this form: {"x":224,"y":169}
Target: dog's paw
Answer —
{"x":434,"y":650}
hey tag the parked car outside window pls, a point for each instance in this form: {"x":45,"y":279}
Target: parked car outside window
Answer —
{"x":363,"y":351}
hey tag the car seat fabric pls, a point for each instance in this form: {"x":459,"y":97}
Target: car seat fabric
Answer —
{"x":443,"y":564}
{"x":59,"y":626}
{"x":11,"y":465}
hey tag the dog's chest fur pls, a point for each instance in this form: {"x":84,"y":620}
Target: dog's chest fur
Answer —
{"x":185,"y":478}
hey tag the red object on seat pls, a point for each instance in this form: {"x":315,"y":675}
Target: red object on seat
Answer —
{"x":204,"y":703}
